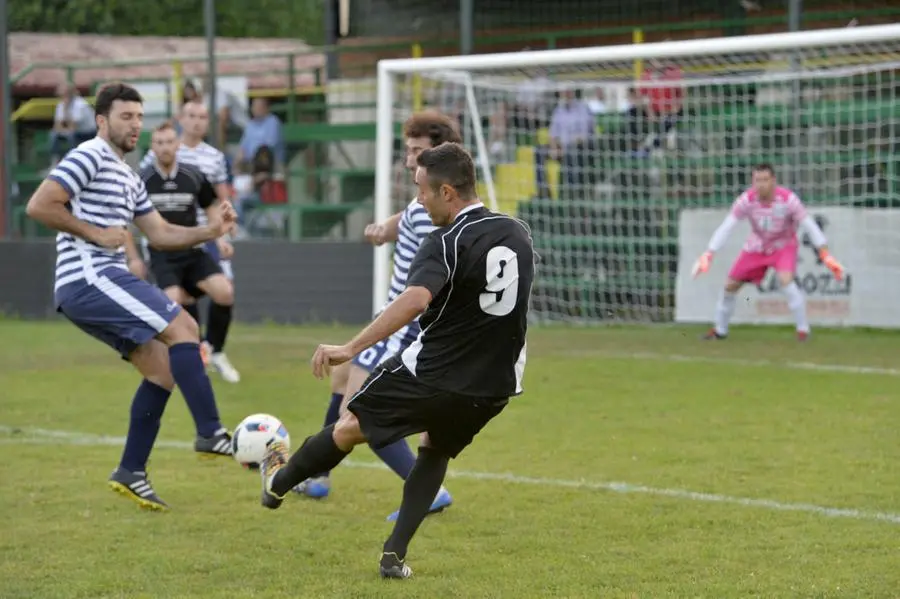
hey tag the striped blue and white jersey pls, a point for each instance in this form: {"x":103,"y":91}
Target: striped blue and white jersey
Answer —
{"x":104,"y":191}
{"x":415,"y":225}
{"x":203,"y":157}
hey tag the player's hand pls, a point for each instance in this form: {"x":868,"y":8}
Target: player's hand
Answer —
{"x":226,"y":250}
{"x":836,"y":268}
{"x":376,"y":234}
{"x":327,"y":356}
{"x":223,"y":219}
{"x":112,"y":238}
{"x":701,"y":266}
{"x":137,"y":267}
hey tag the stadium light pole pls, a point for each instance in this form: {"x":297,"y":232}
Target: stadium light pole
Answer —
{"x":6,"y":133}
{"x":209,"y":19}
{"x":795,"y":10}
{"x":466,"y":17}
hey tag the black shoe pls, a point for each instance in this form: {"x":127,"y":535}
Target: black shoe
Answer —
{"x":394,"y":567}
{"x":136,"y":487}
{"x":712,"y":335}
{"x":217,"y":445}
{"x":275,"y":459}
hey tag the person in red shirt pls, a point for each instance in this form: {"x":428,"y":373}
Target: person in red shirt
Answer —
{"x":665,"y":102}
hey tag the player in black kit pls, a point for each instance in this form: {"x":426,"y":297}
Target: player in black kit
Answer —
{"x":176,"y":190}
{"x":471,"y":281}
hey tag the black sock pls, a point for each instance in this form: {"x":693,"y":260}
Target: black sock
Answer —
{"x":194,"y":311}
{"x":217,"y":326}
{"x":317,"y":454}
{"x":422,"y":484}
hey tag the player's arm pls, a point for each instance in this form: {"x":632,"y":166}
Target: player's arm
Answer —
{"x":399,"y":313}
{"x":381,"y":233}
{"x":719,"y":237}
{"x":427,"y":276}
{"x":49,"y":203}
{"x":817,"y":238}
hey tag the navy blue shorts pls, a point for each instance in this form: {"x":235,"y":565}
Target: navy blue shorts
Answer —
{"x":119,"y":309}
{"x":369,"y":359}
{"x":213,"y":250}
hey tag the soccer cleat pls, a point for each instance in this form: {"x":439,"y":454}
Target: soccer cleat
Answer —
{"x":802,"y":336}
{"x":442,"y":501}
{"x":217,"y":445}
{"x":136,"y":487}
{"x":223,"y":366}
{"x":314,"y":488}
{"x":393,"y":567}
{"x":275,"y":459}
{"x":712,"y":335}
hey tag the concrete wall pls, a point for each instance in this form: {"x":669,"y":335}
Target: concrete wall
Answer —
{"x":277,"y":281}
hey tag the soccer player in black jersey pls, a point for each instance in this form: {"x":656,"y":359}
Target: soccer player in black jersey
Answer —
{"x":176,"y":190}
{"x":471,"y":283}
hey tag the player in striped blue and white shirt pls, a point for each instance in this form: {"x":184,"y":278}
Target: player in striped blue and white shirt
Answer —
{"x":407,"y":229}
{"x":91,"y":198}
{"x":211,"y":162}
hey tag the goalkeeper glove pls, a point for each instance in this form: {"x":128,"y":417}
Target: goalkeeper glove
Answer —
{"x":836,"y":268}
{"x":702,"y":264}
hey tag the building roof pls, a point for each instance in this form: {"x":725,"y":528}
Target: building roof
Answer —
{"x":29,"y":48}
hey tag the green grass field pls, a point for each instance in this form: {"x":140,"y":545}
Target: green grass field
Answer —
{"x":639,"y":463}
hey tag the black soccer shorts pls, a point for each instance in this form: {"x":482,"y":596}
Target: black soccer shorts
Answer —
{"x":392,"y":405}
{"x":182,"y":269}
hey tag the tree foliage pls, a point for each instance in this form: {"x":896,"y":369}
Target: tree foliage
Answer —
{"x":296,"y":19}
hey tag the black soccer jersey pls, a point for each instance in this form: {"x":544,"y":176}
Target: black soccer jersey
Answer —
{"x":479,"y":270}
{"x":177,"y":195}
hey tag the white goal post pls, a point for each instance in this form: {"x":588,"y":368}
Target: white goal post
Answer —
{"x":615,"y":218}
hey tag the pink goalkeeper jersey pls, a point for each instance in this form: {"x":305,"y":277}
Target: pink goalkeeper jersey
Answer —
{"x":773,"y":226}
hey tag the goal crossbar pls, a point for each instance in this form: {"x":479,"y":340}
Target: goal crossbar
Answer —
{"x":821,"y":38}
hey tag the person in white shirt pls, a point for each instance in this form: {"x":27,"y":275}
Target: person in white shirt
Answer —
{"x":73,"y":122}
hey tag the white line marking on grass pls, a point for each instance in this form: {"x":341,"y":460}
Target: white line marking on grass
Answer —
{"x":16,"y":435}
{"x":303,"y":340}
{"x":812,"y":366}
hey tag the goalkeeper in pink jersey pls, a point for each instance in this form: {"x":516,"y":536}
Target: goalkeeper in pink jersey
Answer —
{"x":775,"y":213}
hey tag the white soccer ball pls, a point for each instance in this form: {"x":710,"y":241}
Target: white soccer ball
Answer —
{"x":252,"y":436}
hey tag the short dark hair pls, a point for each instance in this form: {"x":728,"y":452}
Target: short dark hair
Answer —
{"x":436,"y":126}
{"x":164,"y":126}
{"x":111,"y":92}
{"x":450,"y":164}
{"x":764,"y":166}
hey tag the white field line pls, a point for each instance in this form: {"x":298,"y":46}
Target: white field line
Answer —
{"x":305,"y":340}
{"x":15,"y":436}
{"x":812,"y":366}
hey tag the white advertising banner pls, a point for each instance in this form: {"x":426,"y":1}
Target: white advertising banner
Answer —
{"x":866,"y":241}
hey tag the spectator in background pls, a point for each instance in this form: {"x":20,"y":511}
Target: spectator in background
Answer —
{"x":637,"y":123}
{"x":73,"y":122}
{"x":189,"y":93}
{"x":230,"y":114}
{"x":664,"y":107}
{"x":532,"y":102}
{"x":572,"y":142}
{"x":597,"y":104}
{"x":263,"y":129}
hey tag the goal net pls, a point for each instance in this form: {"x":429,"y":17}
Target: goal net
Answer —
{"x":622,"y":159}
